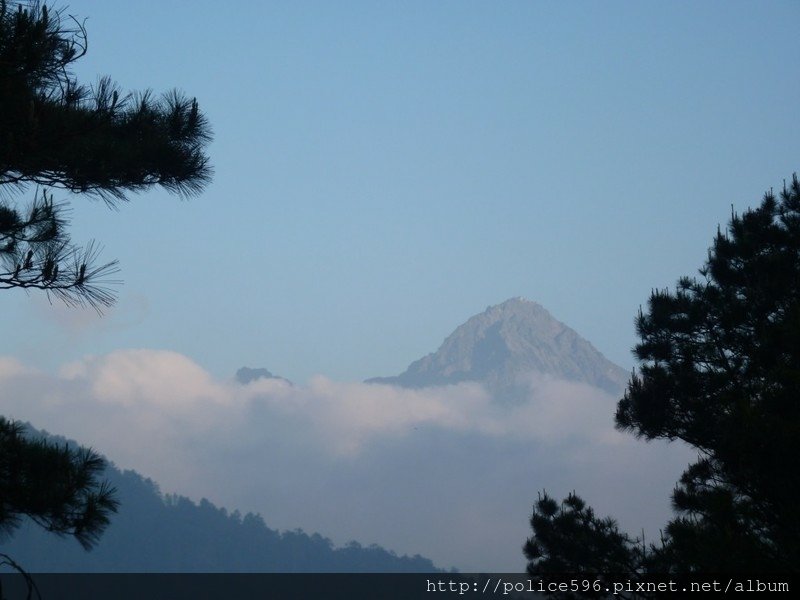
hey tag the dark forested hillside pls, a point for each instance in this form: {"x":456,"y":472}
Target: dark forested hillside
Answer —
{"x":154,"y":532}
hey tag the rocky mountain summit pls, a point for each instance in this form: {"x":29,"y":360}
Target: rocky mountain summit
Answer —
{"x":506,"y":344}
{"x":245,"y":375}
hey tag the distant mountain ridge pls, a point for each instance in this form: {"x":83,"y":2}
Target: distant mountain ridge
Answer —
{"x":156,"y":533}
{"x":506,"y":343}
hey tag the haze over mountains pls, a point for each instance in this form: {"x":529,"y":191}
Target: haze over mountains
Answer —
{"x":153,"y":532}
{"x":503,"y":346}
{"x":443,"y":461}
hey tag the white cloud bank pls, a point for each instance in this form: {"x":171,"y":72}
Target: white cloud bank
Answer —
{"x":443,"y":472}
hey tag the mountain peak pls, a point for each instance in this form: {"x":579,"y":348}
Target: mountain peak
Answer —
{"x":515,"y":301}
{"x":506,"y":343}
{"x":245,"y":375}
{"x":519,"y":306}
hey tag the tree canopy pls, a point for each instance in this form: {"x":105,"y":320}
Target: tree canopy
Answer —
{"x":719,"y":368}
{"x":56,"y":133}
{"x":56,"y":486}
{"x":96,"y":140}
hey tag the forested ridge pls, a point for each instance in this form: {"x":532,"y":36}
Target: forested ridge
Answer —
{"x":157,"y":532}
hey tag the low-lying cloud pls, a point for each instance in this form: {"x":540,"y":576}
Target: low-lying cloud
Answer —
{"x":444,"y":472}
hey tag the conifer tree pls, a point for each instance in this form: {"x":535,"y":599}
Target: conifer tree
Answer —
{"x":56,"y":486}
{"x":58,"y":134}
{"x":719,"y":368}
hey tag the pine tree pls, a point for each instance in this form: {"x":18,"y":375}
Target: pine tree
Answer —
{"x":56,"y":486}
{"x":587,"y":543}
{"x":56,"y":133}
{"x":720,"y":370}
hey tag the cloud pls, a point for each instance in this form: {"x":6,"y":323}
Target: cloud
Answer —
{"x":10,"y":367}
{"x":146,"y":378}
{"x":442,"y":471}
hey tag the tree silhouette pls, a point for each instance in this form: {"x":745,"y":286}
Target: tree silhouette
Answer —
{"x":719,"y":369}
{"x":56,"y":486}
{"x":35,"y":252}
{"x":58,"y":134}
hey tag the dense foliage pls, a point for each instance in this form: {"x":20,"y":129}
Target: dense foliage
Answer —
{"x":58,"y":133}
{"x":56,"y":486}
{"x":719,"y":369}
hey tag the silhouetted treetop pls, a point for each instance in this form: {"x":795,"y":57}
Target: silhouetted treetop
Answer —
{"x":56,"y":486}
{"x":719,"y":369}
{"x":57,"y":132}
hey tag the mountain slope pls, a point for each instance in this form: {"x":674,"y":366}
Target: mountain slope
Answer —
{"x":507,"y":343}
{"x":157,"y":533}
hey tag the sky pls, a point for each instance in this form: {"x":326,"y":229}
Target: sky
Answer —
{"x":383,"y":171}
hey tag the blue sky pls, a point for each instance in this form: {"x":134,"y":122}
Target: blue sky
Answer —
{"x":385,"y":170}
